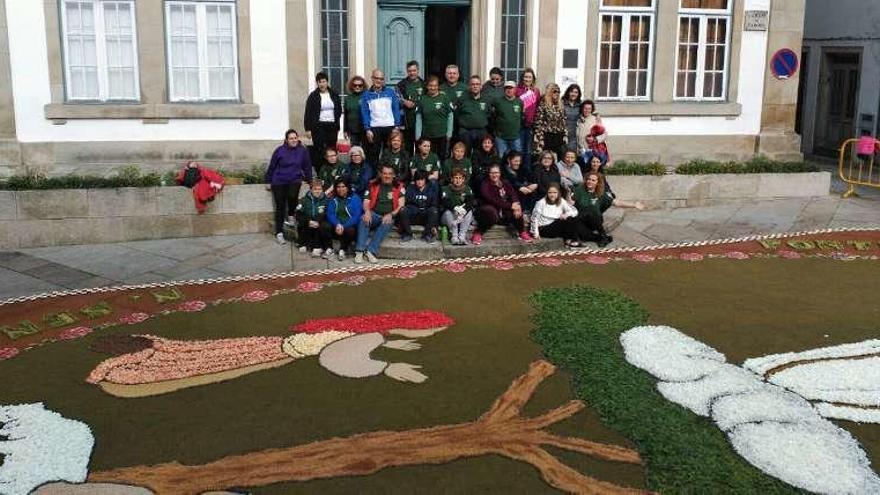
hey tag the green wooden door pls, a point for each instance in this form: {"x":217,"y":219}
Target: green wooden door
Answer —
{"x":401,"y":39}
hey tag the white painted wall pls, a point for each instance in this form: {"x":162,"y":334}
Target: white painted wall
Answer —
{"x":753,"y":58}
{"x":571,"y":23}
{"x":30,"y":82}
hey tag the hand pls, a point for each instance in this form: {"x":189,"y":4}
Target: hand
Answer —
{"x":339,"y":230}
{"x":370,"y":136}
{"x":403,"y":345}
{"x":525,"y":190}
{"x":387,"y":219}
{"x":313,"y":224}
{"x":268,"y":187}
{"x":408,"y":104}
{"x":639,"y":205}
{"x":309,"y":134}
{"x":367,"y":218}
{"x":405,"y":372}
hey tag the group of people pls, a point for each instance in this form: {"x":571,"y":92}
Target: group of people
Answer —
{"x":444,"y":156}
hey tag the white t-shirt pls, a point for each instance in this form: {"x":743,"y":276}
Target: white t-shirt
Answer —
{"x":326,"y":109}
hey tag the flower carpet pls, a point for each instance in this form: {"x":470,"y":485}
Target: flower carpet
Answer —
{"x":738,"y":366}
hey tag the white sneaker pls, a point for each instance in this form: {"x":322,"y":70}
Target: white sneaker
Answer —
{"x":303,"y":249}
{"x":290,"y":222}
{"x":341,"y":255}
{"x":372,"y":257}
{"x":279,"y":238}
{"x":328,"y":254}
{"x":316,"y":253}
{"x":359,"y":257}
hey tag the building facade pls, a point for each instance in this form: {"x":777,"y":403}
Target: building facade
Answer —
{"x":88,"y":85}
{"x":840,"y":88}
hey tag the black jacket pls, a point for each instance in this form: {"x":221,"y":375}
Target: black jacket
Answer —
{"x":313,"y":110}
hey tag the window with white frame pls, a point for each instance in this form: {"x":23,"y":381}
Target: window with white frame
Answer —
{"x":100,"y":50}
{"x":703,"y":49}
{"x":334,"y":42}
{"x":202,"y":50}
{"x":625,"y":58}
{"x":513,"y":39}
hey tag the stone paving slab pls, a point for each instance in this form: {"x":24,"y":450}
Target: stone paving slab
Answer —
{"x":37,"y":270}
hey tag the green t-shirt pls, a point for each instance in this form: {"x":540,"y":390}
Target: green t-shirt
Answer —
{"x":591,"y":206}
{"x":398,"y":160}
{"x":352,"y":104}
{"x":329,"y":175}
{"x":472,"y":113}
{"x":508,"y":117}
{"x":452,"y":198}
{"x":412,"y":91}
{"x":429,"y":164}
{"x":385,"y":202}
{"x":435,"y":115}
{"x":455,"y":91}
{"x":450,"y":163}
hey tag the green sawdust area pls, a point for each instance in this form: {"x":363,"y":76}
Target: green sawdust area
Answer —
{"x":742,"y":308}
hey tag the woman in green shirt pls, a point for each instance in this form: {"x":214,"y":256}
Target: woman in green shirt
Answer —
{"x":395,"y":156}
{"x":354,"y":128}
{"x":425,"y":160}
{"x":591,"y":201}
{"x":436,"y":111}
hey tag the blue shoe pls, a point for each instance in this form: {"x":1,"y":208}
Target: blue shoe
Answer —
{"x":430,"y":239}
{"x":405,"y":238}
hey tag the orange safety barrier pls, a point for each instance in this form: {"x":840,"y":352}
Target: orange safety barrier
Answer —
{"x":856,"y":167}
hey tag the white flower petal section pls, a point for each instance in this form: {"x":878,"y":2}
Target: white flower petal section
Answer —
{"x":857,"y":414}
{"x":773,"y":429}
{"x":851,"y":381}
{"x":42,"y":446}
{"x":669,"y":354}
{"x":762,"y":365}
{"x":822,"y":459}
{"x":767,"y":404}
{"x":697,"y":395}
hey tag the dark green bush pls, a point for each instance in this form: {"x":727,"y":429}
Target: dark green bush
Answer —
{"x":634,"y":168}
{"x":126,"y":177}
{"x":757,"y":165}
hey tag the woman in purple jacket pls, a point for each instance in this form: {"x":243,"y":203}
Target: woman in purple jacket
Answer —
{"x":288,"y":168}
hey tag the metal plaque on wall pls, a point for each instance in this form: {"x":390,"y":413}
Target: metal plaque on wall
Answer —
{"x":756,"y":20}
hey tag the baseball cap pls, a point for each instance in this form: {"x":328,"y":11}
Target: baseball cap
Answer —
{"x":510,"y":84}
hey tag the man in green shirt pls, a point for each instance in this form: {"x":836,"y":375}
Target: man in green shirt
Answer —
{"x":410,"y":88}
{"x":436,"y":111}
{"x":472,"y":115}
{"x":452,"y":87}
{"x":508,"y":120}
{"x":382,"y":204}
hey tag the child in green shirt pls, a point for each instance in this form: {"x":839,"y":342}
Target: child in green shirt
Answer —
{"x":425,"y":159}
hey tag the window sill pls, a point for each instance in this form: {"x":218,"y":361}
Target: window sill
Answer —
{"x":151,"y":112}
{"x":675,"y":109}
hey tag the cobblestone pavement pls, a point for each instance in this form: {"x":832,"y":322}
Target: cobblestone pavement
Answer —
{"x":37,"y":270}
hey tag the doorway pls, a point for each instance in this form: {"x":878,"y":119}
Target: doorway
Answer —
{"x":447,"y":40}
{"x":838,"y":101}
{"x":435,"y":33}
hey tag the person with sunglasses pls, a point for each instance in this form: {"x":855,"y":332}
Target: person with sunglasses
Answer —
{"x":354,"y":128}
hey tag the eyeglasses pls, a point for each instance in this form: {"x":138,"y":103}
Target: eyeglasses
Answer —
{"x":377,"y":78}
{"x":357,"y":85}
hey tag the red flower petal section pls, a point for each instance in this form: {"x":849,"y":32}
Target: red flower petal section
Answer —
{"x":381,"y":322}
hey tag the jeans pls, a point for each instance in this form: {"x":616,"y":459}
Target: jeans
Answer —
{"x":505,"y":145}
{"x":412,"y":215}
{"x":525,"y":138}
{"x":364,"y":242}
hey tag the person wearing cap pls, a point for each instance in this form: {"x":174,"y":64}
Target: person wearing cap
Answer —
{"x":508,"y":112}
{"x":472,"y":114}
{"x":359,"y":171}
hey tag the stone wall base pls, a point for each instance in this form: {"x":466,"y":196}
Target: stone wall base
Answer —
{"x":106,"y":157}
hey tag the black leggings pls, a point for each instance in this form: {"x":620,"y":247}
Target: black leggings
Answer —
{"x":347,"y":238}
{"x":323,"y":137}
{"x":566,"y":229}
{"x":286,"y":197}
{"x":589,"y":229}
{"x":315,"y":238}
{"x":488,"y":215}
{"x":429,"y":217}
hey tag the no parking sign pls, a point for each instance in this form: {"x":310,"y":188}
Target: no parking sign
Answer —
{"x":784,"y":64}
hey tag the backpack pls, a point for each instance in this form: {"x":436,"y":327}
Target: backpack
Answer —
{"x":191,"y":177}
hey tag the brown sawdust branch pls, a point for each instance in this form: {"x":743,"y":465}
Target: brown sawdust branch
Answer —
{"x":501,"y":430}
